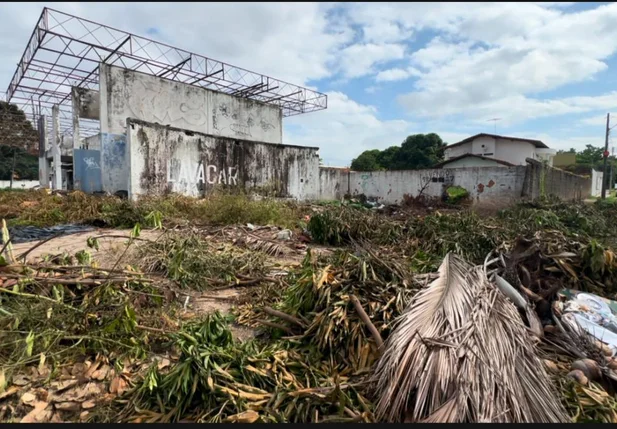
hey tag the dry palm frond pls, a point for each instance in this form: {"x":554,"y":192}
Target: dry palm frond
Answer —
{"x":260,"y":244}
{"x":460,"y":353}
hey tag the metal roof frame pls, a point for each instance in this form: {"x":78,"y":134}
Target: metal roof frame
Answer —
{"x":65,"y":50}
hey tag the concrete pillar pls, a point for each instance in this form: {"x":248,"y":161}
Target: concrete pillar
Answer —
{"x":55,"y":148}
{"x":75,"y":102}
{"x":43,"y":161}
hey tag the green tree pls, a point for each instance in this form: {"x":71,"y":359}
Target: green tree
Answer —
{"x":417,"y":151}
{"x":591,"y":156}
{"x":367,"y":161}
{"x":26,"y":165}
{"x":16,"y":129}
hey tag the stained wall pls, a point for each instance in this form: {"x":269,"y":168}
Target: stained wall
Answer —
{"x":167,"y":159}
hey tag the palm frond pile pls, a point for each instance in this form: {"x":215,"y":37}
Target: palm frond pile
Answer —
{"x":460,"y":353}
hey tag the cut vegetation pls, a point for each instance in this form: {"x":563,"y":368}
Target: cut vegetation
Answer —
{"x":353,"y":314}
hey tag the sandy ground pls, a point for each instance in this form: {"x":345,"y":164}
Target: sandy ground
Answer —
{"x":110,"y":248}
{"x":111,"y":251}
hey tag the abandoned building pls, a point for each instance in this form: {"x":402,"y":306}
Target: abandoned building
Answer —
{"x":120,"y":113}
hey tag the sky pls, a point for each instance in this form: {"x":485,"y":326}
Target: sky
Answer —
{"x":547,"y":70}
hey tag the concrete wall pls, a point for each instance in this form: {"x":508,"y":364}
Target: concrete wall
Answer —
{"x":333,"y":183}
{"x":114,"y":162}
{"x":487,"y":186}
{"x":92,"y":142}
{"x":596,"y":183}
{"x":165,"y":159}
{"x":542,"y":180}
{"x":86,"y":102}
{"x":87,"y":170}
{"x":19,"y":184}
{"x":128,"y":94}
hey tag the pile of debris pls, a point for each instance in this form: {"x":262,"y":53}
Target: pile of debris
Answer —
{"x":414,"y":320}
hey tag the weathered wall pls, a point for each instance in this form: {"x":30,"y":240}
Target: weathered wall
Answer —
{"x":87,"y":170}
{"x":542,"y":180}
{"x":128,"y":94}
{"x":114,"y":162}
{"x":165,"y":159}
{"x":19,"y":184}
{"x":487,"y":186}
{"x":92,"y":142}
{"x":333,"y":183}
{"x":86,"y":102}
{"x":596,"y":183}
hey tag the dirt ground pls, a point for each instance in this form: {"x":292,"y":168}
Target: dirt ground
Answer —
{"x":112,"y":247}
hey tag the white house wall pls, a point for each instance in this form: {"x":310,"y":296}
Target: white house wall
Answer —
{"x":472,"y":161}
{"x":484,"y":146}
{"x":459,"y":150}
{"x":129,"y":94}
{"x":514,"y":152}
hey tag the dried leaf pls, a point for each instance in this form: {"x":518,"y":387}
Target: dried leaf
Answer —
{"x":28,"y":398}
{"x":37,"y":414}
{"x":9,"y":392}
{"x":245,"y":417}
{"x":68,"y":406}
{"x":88,"y":405}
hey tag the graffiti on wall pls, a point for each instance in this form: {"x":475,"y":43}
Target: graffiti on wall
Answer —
{"x":91,"y":163}
{"x":439,"y":176}
{"x":200,"y":173}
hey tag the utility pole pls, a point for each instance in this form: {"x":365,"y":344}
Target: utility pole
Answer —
{"x":608,"y":118}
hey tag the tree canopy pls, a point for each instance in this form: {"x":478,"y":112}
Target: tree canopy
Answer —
{"x":416,"y":151}
{"x":26,"y":165}
{"x":17,"y":135}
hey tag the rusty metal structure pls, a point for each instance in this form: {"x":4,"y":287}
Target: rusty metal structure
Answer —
{"x":65,"y":51}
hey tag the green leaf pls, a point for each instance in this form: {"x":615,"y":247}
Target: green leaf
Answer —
{"x":29,"y":343}
{"x":136,"y":230}
{"x":93,"y":243}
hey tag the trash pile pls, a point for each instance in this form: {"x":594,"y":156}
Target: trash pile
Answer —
{"x":404,"y":320}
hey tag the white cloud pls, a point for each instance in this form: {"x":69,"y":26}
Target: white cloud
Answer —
{"x":545,"y":51}
{"x":359,"y":60}
{"x":345,"y":130}
{"x":598,"y":120}
{"x":511,"y":109}
{"x":397,"y":74}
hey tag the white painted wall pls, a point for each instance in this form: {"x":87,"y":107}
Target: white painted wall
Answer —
{"x":484,"y":146}
{"x":596,"y":183}
{"x":127,"y":94}
{"x":19,"y":184}
{"x":513,"y":151}
{"x":487,"y":186}
{"x":455,"y":151}
{"x":473,"y":162}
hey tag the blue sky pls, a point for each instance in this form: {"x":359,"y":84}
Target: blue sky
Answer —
{"x":548,"y":70}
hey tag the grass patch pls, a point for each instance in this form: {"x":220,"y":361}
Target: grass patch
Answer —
{"x":38,"y":208}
